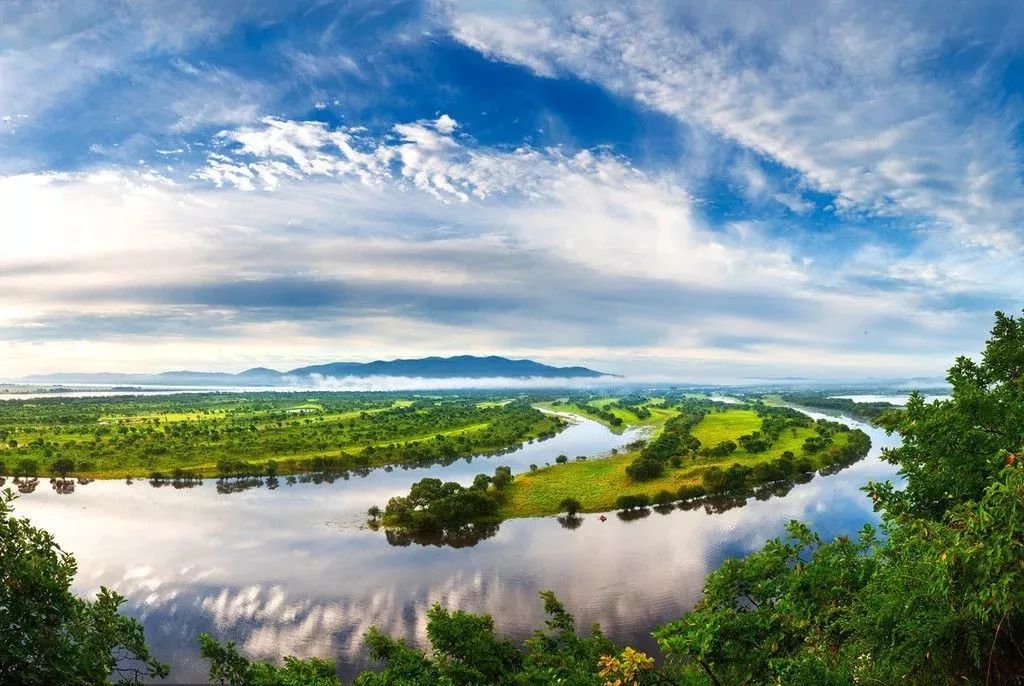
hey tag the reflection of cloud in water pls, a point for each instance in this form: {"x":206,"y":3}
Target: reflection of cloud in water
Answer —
{"x":272,"y":570}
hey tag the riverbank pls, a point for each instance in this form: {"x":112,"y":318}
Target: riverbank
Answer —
{"x":616,"y":413}
{"x":262,"y":434}
{"x":598,"y":484}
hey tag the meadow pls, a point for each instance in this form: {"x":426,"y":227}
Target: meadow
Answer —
{"x":227,"y":434}
{"x":599,"y":483}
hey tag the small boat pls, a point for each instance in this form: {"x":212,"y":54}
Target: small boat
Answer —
{"x":602,"y":518}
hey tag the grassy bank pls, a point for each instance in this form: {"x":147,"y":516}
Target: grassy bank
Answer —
{"x":606,"y":411}
{"x":194,"y":435}
{"x":598,"y":483}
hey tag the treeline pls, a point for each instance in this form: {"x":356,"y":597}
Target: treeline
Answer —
{"x":737,"y":479}
{"x":243,"y":434}
{"x":587,"y":403}
{"x":868,"y":412}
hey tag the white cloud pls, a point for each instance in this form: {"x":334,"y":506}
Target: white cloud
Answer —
{"x":566,"y":257}
{"x":842,"y":94}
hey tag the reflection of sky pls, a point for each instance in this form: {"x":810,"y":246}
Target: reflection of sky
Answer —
{"x":289,"y":571}
{"x":894,"y":398}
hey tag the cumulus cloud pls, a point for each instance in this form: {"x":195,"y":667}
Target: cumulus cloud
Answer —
{"x":567,"y":258}
{"x":862,"y":184}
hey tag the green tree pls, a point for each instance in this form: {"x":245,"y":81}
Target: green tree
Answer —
{"x":570,"y":506}
{"x":935,"y":601}
{"x":951,"y":449}
{"x":62,"y":466}
{"x":47,"y":634}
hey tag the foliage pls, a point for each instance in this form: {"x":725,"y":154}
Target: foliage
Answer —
{"x":952,"y":449}
{"x":674,"y":441}
{"x":433,"y":505}
{"x":228,"y":666}
{"x":570,"y":506}
{"x":465,"y":651}
{"x":49,"y":636}
{"x":934,"y":601}
{"x":632,"y":502}
{"x":256,"y":434}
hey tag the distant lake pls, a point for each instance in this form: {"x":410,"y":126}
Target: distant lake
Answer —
{"x":293,"y":570}
{"x":894,"y":398}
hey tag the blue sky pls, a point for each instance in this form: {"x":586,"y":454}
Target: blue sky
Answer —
{"x":706,"y":192}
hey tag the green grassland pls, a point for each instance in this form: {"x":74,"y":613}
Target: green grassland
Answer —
{"x":598,"y":483}
{"x":628,"y":418}
{"x":237,"y":434}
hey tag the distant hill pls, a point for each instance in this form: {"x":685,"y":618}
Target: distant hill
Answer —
{"x":461,"y":366}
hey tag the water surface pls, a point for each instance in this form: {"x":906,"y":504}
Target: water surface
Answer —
{"x":293,"y":571}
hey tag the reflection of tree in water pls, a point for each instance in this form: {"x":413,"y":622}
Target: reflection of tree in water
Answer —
{"x":63,"y":486}
{"x":26,"y":484}
{"x":633,"y":514}
{"x":178,"y":481}
{"x":464,"y":536}
{"x":571,"y":522}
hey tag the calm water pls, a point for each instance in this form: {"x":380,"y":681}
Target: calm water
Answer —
{"x":894,"y":398}
{"x":292,"y":571}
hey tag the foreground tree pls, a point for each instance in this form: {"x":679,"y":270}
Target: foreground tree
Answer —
{"x":935,"y":601}
{"x":47,"y":634}
{"x":465,"y":651}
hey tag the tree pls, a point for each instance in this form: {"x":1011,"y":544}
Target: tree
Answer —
{"x":570,"y":506}
{"x":502,"y":478}
{"x":62,"y":466}
{"x":465,"y":651}
{"x":951,"y":449}
{"x":935,"y":600}
{"x":49,"y":636}
{"x":26,"y":468}
{"x":228,"y":666}
{"x":374,"y":512}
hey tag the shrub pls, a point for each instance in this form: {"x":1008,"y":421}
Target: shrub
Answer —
{"x":663,"y":497}
{"x":632,"y":502}
{"x":645,"y":469}
{"x":570,"y":506}
{"x":688,"y":491}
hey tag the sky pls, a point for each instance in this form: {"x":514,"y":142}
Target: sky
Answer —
{"x":693,"y":191}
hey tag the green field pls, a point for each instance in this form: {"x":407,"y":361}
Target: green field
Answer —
{"x":597,"y":483}
{"x":224,"y":434}
{"x":628,"y":418}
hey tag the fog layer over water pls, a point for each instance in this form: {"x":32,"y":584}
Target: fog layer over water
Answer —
{"x":292,"y":570}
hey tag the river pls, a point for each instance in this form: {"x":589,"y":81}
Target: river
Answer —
{"x":292,"y":570}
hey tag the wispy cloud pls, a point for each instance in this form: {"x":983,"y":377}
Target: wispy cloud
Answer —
{"x":846,"y":95}
{"x":698,"y":191}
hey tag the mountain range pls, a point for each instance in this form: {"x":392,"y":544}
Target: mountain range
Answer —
{"x":460,"y":366}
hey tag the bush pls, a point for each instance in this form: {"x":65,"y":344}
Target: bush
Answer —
{"x":52,"y":636}
{"x":62,"y":466}
{"x":570,"y":506}
{"x":689,"y":491}
{"x":645,"y":469}
{"x":561,"y":459}
{"x":663,"y":497}
{"x":723,"y":449}
{"x":632,"y":502}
